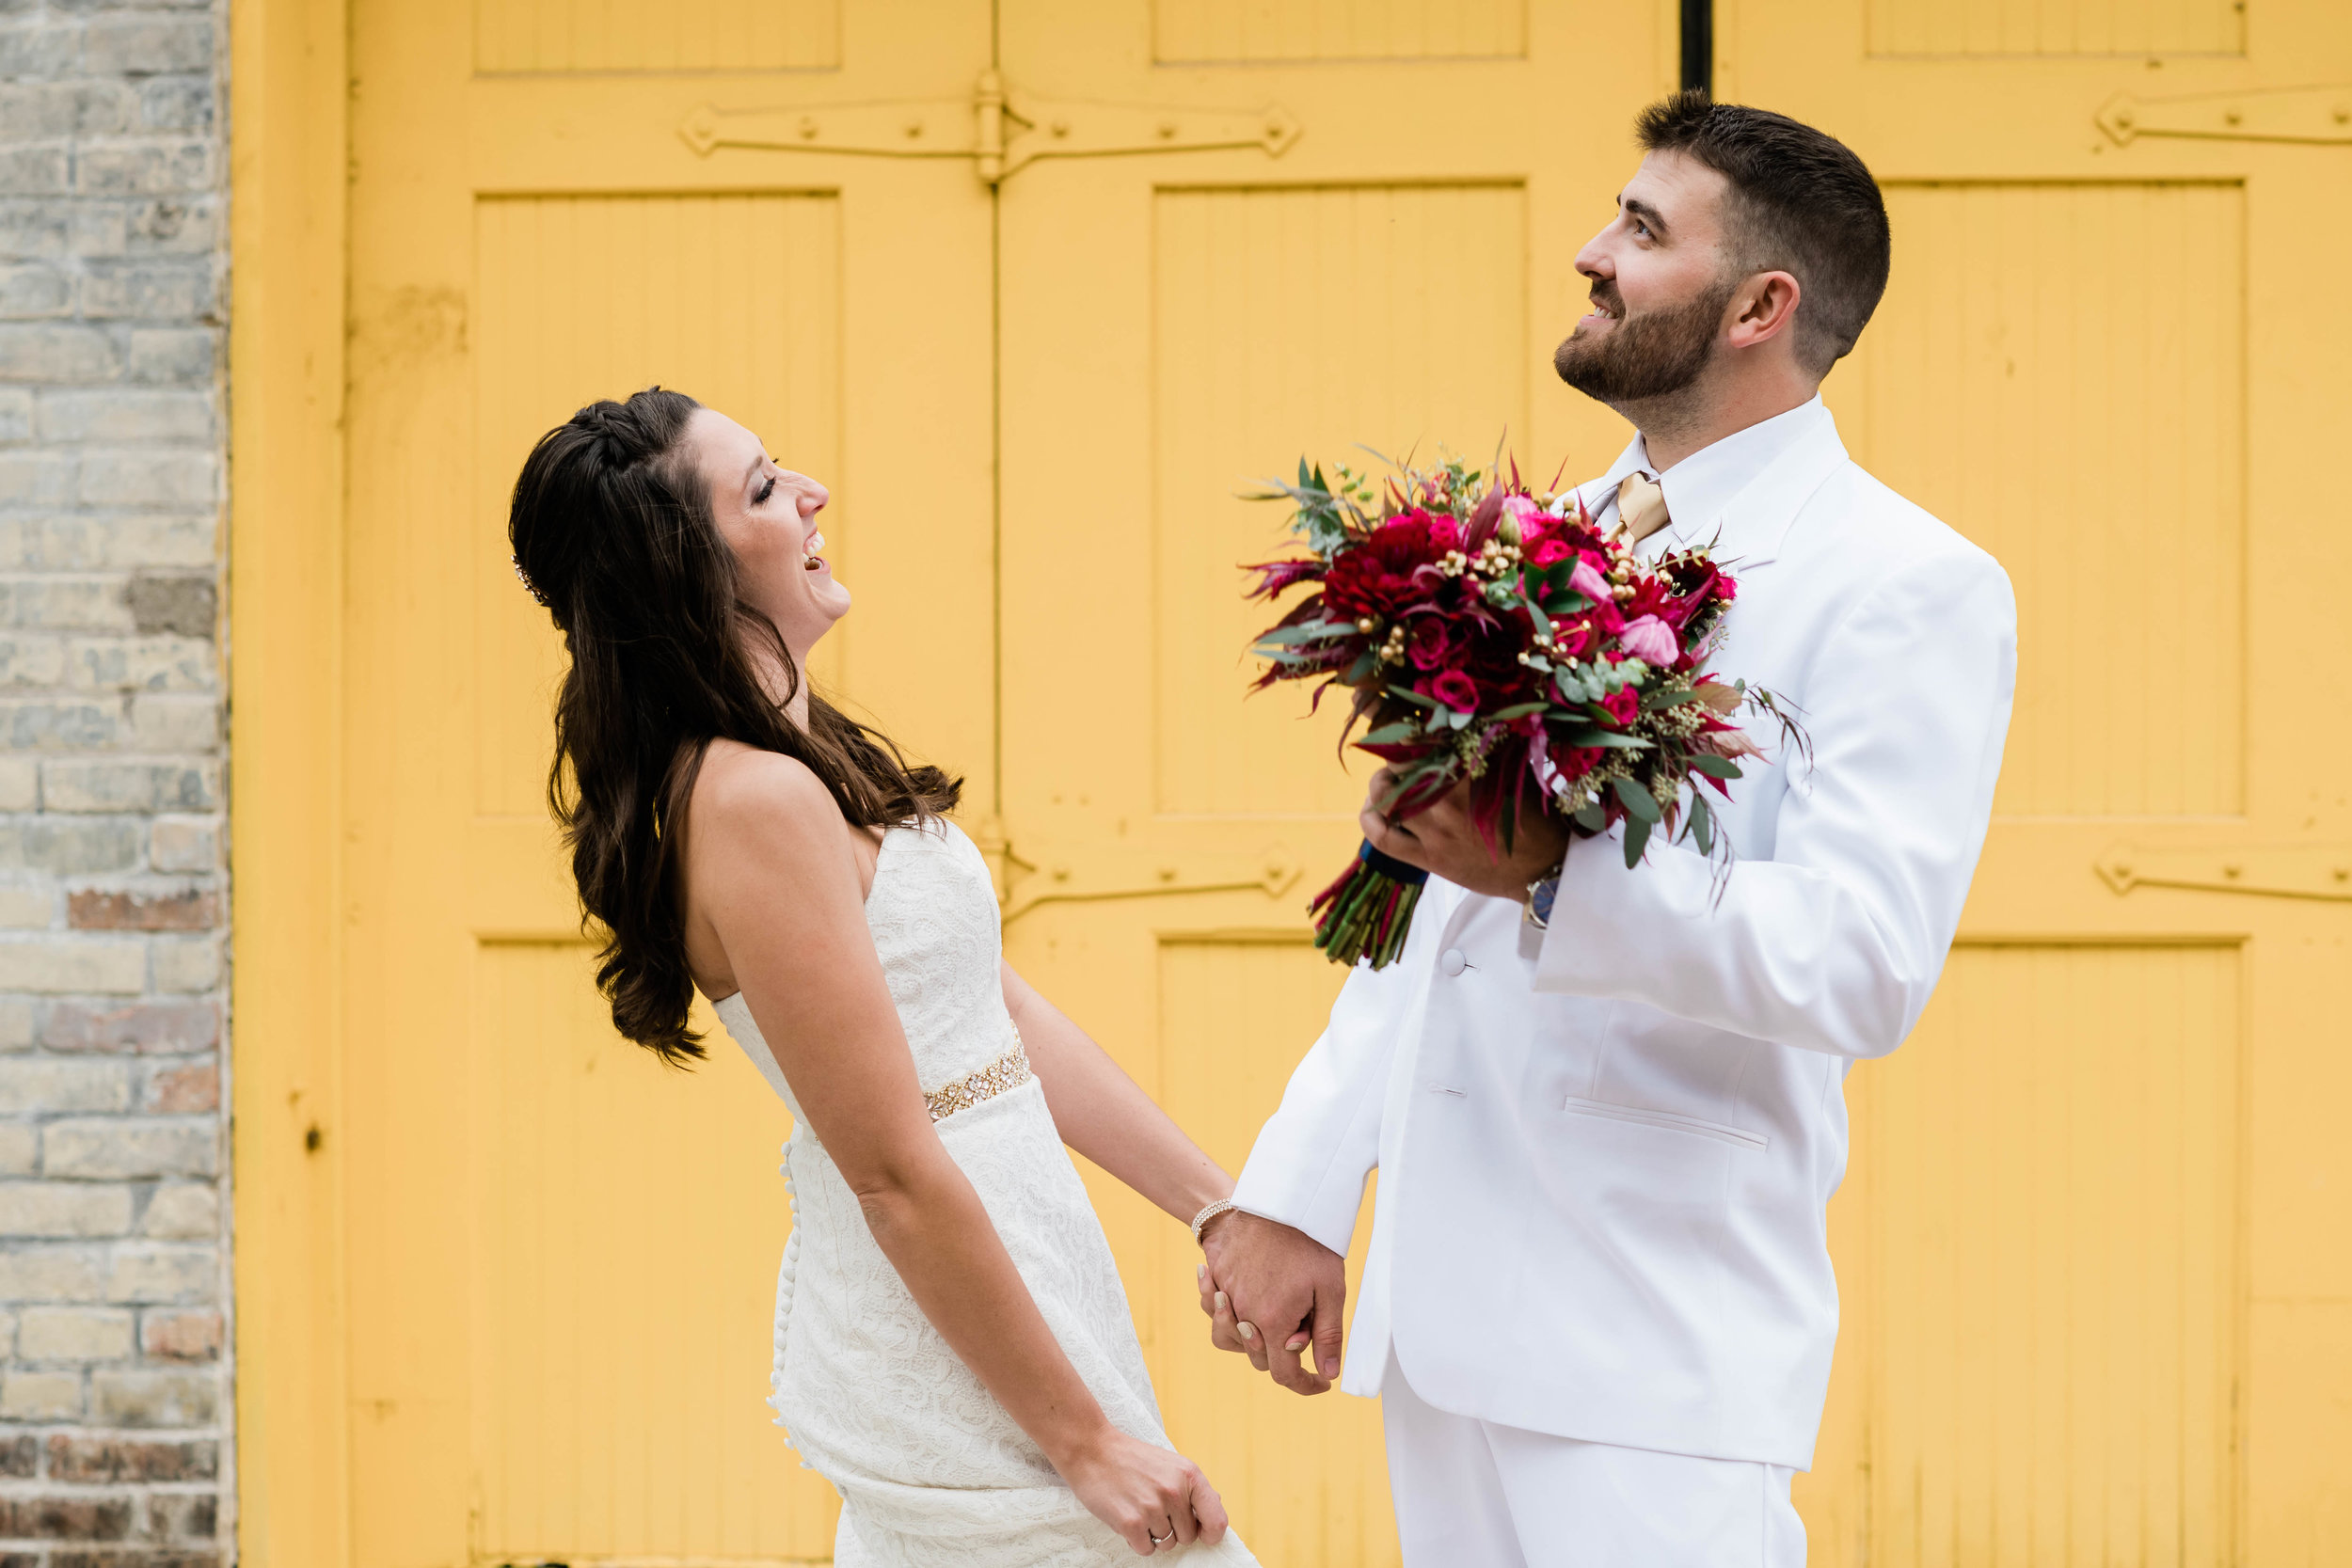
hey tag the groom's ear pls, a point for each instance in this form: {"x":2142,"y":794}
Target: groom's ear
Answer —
{"x":1764,"y":308}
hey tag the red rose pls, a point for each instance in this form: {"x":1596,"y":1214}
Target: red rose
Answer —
{"x":1549,"y":552}
{"x":1622,"y":705}
{"x":1433,"y":642}
{"x":1456,"y":690}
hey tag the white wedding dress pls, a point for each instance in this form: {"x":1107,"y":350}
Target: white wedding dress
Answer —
{"x":931,"y":1468}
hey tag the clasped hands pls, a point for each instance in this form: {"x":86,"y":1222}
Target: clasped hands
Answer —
{"x":1272,"y":1292}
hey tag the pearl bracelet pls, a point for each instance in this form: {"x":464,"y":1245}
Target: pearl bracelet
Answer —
{"x":1222,"y":1205}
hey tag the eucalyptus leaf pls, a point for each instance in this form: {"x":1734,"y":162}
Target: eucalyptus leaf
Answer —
{"x":1702,"y":824}
{"x":1639,"y":803}
{"x":1715,"y":766}
{"x":1590,"y":817}
{"x":1636,"y":840}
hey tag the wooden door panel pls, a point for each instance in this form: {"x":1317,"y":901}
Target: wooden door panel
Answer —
{"x":2096,"y":357}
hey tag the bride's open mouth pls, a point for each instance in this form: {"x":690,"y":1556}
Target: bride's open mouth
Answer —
{"x":812,"y":557}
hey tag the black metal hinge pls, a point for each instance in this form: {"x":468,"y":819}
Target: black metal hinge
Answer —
{"x":1698,"y":46}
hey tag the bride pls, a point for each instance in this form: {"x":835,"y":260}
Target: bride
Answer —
{"x":953,"y":1350}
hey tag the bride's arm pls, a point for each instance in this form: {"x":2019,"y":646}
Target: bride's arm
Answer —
{"x":1105,"y":1116}
{"x":771,"y":867}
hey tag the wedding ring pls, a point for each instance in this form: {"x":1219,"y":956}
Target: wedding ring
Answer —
{"x":1159,"y":1541}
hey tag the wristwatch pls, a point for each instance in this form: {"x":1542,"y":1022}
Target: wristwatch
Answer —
{"x":1540,"y":894}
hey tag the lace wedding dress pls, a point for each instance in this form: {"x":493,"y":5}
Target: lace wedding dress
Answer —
{"x":931,"y":1468}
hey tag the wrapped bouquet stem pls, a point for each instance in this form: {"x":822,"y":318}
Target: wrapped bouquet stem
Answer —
{"x":1493,"y":637}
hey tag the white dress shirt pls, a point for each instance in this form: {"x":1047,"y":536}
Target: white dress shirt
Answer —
{"x":1606,"y":1151}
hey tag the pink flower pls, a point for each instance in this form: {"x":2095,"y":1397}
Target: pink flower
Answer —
{"x":1589,"y":583}
{"x":1523,"y":509}
{"x":1652,"y":641}
{"x":1547,"y":552}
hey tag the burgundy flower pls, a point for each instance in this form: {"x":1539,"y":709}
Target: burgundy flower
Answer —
{"x":1456,"y":690}
{"x":1622,"y":705}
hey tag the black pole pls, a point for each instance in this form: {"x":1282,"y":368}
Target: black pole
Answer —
{"x":1698,"y":46}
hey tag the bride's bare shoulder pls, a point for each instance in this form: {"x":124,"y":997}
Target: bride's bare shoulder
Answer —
{"x":744,"y":797}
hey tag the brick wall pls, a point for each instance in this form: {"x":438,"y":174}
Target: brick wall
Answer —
{"x":112,"y":1392}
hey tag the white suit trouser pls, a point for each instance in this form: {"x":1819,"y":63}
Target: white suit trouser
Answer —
{"x":1473,"y":1495}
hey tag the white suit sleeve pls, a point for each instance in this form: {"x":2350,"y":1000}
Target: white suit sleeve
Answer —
{"x":1835,"y":944}
{"x":1308,"y":1165}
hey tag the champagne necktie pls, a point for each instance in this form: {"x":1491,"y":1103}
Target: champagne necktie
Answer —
{"x":1640,"y":507}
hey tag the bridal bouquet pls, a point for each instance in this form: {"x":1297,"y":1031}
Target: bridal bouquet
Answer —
{"x":1491,"y":636}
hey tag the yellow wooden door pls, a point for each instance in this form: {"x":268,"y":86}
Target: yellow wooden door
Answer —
{"x":1176,"y":326}
{"x":2097,"y":1279}
{"x":560,"y":1259}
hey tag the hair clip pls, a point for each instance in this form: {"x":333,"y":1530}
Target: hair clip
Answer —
{"x":529,"y":587}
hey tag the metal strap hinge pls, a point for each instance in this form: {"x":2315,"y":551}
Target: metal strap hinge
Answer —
{"x":2286,"y":113}
{"x":2281,"y":871}
{"x":1002,"y":131}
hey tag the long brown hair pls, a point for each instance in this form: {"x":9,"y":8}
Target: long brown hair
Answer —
{"x":613,"y":531}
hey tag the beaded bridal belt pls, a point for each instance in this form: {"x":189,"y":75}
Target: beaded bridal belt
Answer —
{"x":1008,"y":1071}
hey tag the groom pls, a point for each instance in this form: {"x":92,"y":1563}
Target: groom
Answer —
{"x":1608,"y":1105}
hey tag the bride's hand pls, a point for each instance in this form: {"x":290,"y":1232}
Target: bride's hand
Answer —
{"x":1145,"y":1493}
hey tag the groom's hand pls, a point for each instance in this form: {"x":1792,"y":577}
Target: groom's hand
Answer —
{"x":1272,"y":1291}
{"x":1443,"y":841}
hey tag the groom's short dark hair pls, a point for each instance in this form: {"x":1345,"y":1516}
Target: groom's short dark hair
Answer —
{"x":1801,"y":202}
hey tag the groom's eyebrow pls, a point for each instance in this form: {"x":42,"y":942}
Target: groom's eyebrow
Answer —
{"x":1647,"y":213}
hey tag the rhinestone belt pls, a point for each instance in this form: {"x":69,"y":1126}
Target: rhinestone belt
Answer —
{"x":1008,"y":1071}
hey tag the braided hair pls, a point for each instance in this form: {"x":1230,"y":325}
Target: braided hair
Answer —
{"x":613,"y":530}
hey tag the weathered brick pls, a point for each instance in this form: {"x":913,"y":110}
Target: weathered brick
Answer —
{"x":60,"y":1210}
{"x":133,"y":1556}
{"x":33,"y":228}
{"x":27,"y":909}
{"x":163,"y":477}
{"x":59,"y":352}
{"x":179,"y":1335}
{"x":19,"y":784}
{"x":16,"y":413}
{"x":160,"y":1027}
{"x":125,"y":414}
{"x":169,"y":355}
{"x":65,"y":603}
{"x":17,"y":1018}
{"x":53,"y":1271}
{"x":41,"y":49}
{"x":165,"y":288}
{"x":140,"y":663}
{"x":81,"y":542}
{"x":181,"y":910}
{"x":75,"y":1334}
{"x":117,"y":45}
{"x":19,"y":1148}
{"x":74,"y":785}
{"x":67,"y":847}
{"x":79,"y":1460}
{"x":35,"y":1084}
{"x":177,"y":104}
{"x":35,"y":169}
{"x":184,"y":225}
{"x":177,"y":602}
{"x":165,"y":1272}
{"x":31,"y":662}
{"x":33,"y":290}
{"x":72,"y":964}
{"x":182,"y":1212}
{"x":20,"y":1456}
{"x":129,"y":1148}
{"x":154,"y":1397}
{"x":167,"y":721}
{"x":47,"y":724}
{"x":182,"y":1516}
{"x":33,"y":1395}
{"x":180,"y":1088}
{"x":150,"y":166}
{"x":70,"y":1516}
{"x":32,"y":110}
{"x":183,"y":964}
{"x":181,"y":845}
{"x":31,"y":476}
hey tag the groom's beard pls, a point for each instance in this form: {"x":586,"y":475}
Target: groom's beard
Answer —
{"x":1654,"y":355}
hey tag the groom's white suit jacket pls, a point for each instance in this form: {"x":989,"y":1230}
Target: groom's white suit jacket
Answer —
{"x":1605,"y":1152}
